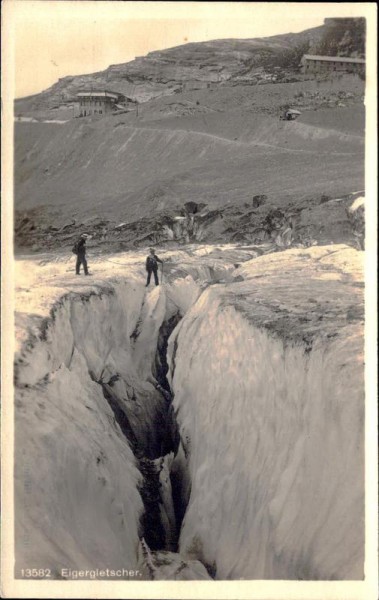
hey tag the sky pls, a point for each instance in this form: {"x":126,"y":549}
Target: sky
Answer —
{"x":47,"y":40}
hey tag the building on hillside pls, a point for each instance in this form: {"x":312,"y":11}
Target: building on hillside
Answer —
{"x":100,"y":102}
{"x":330,"y":64}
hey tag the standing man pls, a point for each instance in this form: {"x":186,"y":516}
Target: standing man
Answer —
{"x":152,"y":266}
{"x":80,"y":250}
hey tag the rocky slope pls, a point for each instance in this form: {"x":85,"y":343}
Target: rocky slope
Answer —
{"x":170,"y":71}
{"x":208,"y":65}
{"x":344,"y":37}
{"x":132,"y":183}
{"x":212,"y":161}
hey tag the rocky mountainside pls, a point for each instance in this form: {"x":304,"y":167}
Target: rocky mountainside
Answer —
{"x":176,"y":69}
{"x":205,"y":157}
{"x":343,"y":37}
{"x":207,"y":64}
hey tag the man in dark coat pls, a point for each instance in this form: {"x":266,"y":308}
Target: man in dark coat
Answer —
{"x":152,"y":266}
{"x":80,"y":251}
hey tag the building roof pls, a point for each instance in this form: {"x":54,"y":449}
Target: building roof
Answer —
{"x":100,"y":94}
{"x":345,"y":59}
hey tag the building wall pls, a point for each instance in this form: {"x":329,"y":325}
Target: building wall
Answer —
{"x":93,"y":106}
{"x":322,"y":66}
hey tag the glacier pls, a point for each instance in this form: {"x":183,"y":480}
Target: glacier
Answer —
{"x":247,"y":460}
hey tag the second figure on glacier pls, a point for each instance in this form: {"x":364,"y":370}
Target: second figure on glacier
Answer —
{"x":152,"y":266}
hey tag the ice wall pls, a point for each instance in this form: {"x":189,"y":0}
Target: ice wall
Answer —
{"x":268,"y":383}
{"x":73,"y":467}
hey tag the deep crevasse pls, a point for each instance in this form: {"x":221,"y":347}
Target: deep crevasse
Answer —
{"x":81,"y":505}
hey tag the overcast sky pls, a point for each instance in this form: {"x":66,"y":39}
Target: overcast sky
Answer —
{"x":52,"y":39}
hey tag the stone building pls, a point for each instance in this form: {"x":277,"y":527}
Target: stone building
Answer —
{"x":329,"y":64}
{"x":99,"y":102}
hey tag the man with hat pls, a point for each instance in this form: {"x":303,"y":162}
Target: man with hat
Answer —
{"x":152,"y":267}
{"x":80,"y":250}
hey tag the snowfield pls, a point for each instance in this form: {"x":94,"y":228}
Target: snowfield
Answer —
{"x":260,"y":458}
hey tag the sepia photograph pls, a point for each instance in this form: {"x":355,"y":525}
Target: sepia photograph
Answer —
{"x":189,"y":351}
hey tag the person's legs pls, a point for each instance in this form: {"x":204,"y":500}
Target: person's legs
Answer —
{"x":148,"y":278}
{"x":156,"y":277}
{"x":78,"y":264}
{"x":85,"y":266}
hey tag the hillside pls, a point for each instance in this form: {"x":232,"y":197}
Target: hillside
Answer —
{"x":208,"y":64}
{"x":208,"y":136}
{"x":129,"y":181}
{"x":173,"y":70}
{"x":344,"y":37}
{"x":150,"y":167}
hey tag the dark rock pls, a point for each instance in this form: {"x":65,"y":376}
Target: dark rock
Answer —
{"x":194,"y":207}
{"x":259,"y":200}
